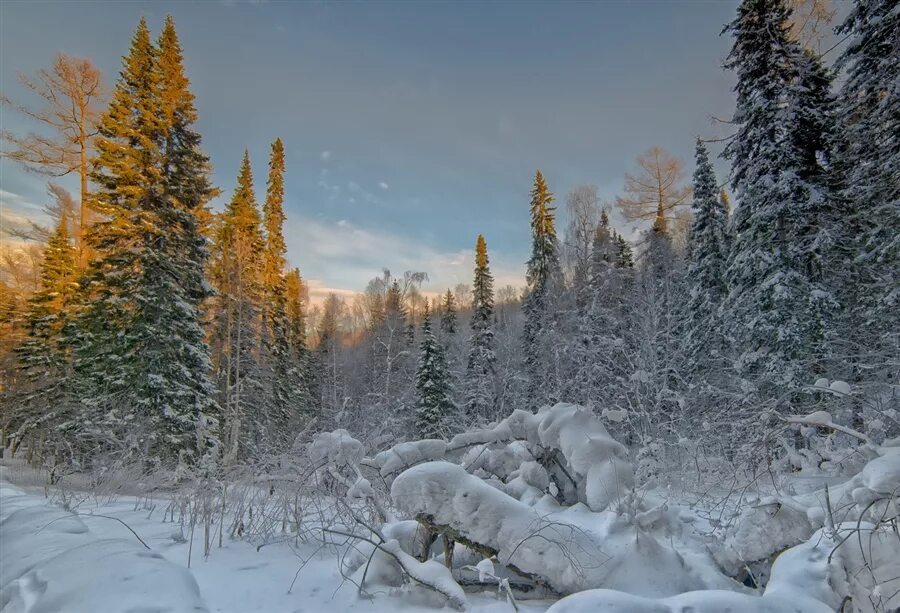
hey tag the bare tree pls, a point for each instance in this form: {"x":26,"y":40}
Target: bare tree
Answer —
{"x":72,"y":92}
{"x":810,"y":21}
{"x":62,"y":204}
{"x":583,"y":209}
{"x":463,"y":295}
{"x":657,"y":191}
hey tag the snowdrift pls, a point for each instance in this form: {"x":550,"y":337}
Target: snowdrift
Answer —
{"x":53,"y":562}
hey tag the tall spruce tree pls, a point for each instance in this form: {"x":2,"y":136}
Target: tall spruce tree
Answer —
{"x":543,"y":275}
{"x":282,"y":394}
{"x":776,"y":302}
{"x":867,"y":167}
{"x":188,"y":190}
{"x":708,"y":250}
{"x":237,"y":273}
{"x":434,"y":405}
{"x":141,"y":363}
{"x":481,"y":392}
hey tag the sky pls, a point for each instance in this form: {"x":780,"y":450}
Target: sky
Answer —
{"x":409,"y":127}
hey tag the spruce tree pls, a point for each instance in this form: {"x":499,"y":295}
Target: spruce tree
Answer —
{"x":434,"y":405}
{"x":544,"y":280}
{"x":708,"y":250}
{"x":282,"y":394}
{"x":480,"y":398}
{"x":867,"y":167}
{"x":141,"y":363}
{"x":300,"y":375}
{"x":624,"y":252}
{"x":188,"y":190}
{"x":237,"y":273}
{"x":448,"y":314}
{"x":43,"y":405}
{"x":777,"y":302}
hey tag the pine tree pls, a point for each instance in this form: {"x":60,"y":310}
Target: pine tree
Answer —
{"x":448,"y":315}
{"x":300,"y":375}
{"x":434,"y":405}
{"x":140,"y":359}
{"x":777,"y":302}
{"x":544,"y":280}
{"x":708,"y":250}
{"x":43,"y":405}
{"x":237,"y":273}
{"x":481,"y":390}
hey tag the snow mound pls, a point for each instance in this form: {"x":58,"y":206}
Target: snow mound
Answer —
{"x":53,"y":562}
{"x":590,"y":451}
{"x":337,"y":447}
{"x":813,"y":577}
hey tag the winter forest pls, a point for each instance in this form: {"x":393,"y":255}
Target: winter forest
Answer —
{"x":700,"y":416}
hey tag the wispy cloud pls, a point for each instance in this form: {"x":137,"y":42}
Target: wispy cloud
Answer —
{"x":325,"y":156}
{"x":341,"y":256}
{"x":383,"y":185}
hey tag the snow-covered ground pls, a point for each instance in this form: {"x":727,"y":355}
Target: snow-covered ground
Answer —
{"x":119,"y":575}
{"x":543,"y":503}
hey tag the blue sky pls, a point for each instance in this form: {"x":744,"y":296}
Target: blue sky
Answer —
{"x":410,"y":127}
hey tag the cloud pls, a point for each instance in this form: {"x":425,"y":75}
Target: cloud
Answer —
{"x":15,"y":201}
{"x":343,"y":257}
{"x":325,"y":155}
{"x":383,"y":185}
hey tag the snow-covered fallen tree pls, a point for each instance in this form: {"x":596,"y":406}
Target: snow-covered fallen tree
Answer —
{"x":52,"y":561}
{"x":551,"y":497}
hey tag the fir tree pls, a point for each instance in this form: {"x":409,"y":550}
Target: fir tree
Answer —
{"x":481,"y":394}
{"x":448,"y":314}
{"x":544,"y":279}
{"x":434,"y":405}
{"x":776,"y":301}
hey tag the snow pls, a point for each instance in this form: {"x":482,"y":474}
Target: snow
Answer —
{"x":52,"y":561}
{"x":812,"y":577}
{"x":817,"y":418}
{"x":407,"y":454}
{"x":840,"y":387}
{"x":573,"y":548}
{"x":590,"y":451}
{"x":237,"y":578}
{"x":337,"y":447}
{"x":611,"y":544}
